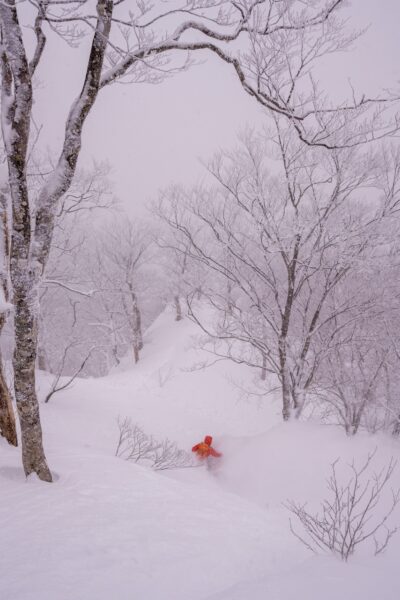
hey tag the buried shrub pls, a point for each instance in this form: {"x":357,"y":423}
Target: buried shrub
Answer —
{"x":350,"y":515}
{"x":137,"y":446}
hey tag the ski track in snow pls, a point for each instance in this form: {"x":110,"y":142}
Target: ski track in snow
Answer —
{"x":107,"y":528}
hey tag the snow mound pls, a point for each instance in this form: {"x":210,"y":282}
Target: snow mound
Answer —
{"x":110,"y":528}
{"x":293,"y":461}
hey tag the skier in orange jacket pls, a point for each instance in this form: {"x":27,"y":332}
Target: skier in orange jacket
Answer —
{"x":204,"y":449}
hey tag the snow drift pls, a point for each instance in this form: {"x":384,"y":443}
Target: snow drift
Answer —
{"x":109,"y":527}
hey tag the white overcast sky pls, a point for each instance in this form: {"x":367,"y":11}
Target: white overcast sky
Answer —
{"x":154,"y":135}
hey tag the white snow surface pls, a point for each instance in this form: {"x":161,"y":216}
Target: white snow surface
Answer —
{"x":107,"y":528}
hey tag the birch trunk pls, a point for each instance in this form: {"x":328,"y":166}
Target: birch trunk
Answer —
{"x":16,"y":114}
{"x":29,"y":260}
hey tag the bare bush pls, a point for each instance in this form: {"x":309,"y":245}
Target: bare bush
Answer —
{"x":167,"y":455}
{"x":137,"y":446}
{"x":348,"y":517}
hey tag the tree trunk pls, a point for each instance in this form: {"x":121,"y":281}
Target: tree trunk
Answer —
{"x":263,"y":367}
{"x":286,"y":383}
{"x":42,"y":359}
{"x":16,"y":113}
{"x":24,"y":360}
{"x":42,"y":364}
{"x":178,"y":309}
{"x":138,"y":325}
{"x":286,"y":398}
{"x":136,"y":353}
{"x":299,"y":397}
{"x":7,"y":419}
{"x":115,"y":355}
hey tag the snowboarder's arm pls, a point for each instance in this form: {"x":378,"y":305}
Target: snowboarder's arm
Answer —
{"x":215,"y":453}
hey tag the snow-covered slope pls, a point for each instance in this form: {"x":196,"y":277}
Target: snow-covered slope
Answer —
{"x":109,"y":528}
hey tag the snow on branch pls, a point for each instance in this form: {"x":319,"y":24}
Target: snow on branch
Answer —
{"x":87,"y":294}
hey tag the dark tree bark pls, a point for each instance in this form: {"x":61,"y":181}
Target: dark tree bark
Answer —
{"x":7,"y":419}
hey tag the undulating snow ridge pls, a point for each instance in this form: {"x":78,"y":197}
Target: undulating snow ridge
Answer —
{"x":108,"y":528}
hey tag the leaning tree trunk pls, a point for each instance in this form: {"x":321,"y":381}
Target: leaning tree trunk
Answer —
{"x":7,"y":419}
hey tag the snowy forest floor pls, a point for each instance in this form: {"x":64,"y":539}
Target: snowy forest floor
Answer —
{"x":108,"y":528}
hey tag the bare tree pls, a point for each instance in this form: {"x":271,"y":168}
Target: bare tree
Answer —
{"x":292,"y":239}
{"x":67,"y":281}
{"x":179,"y":276}
{"x":124,"y":254}
{"x":140,"y":44}
{"x":349,"y":516}
{"x":358,"y":378}
{"x":354,"y":379}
